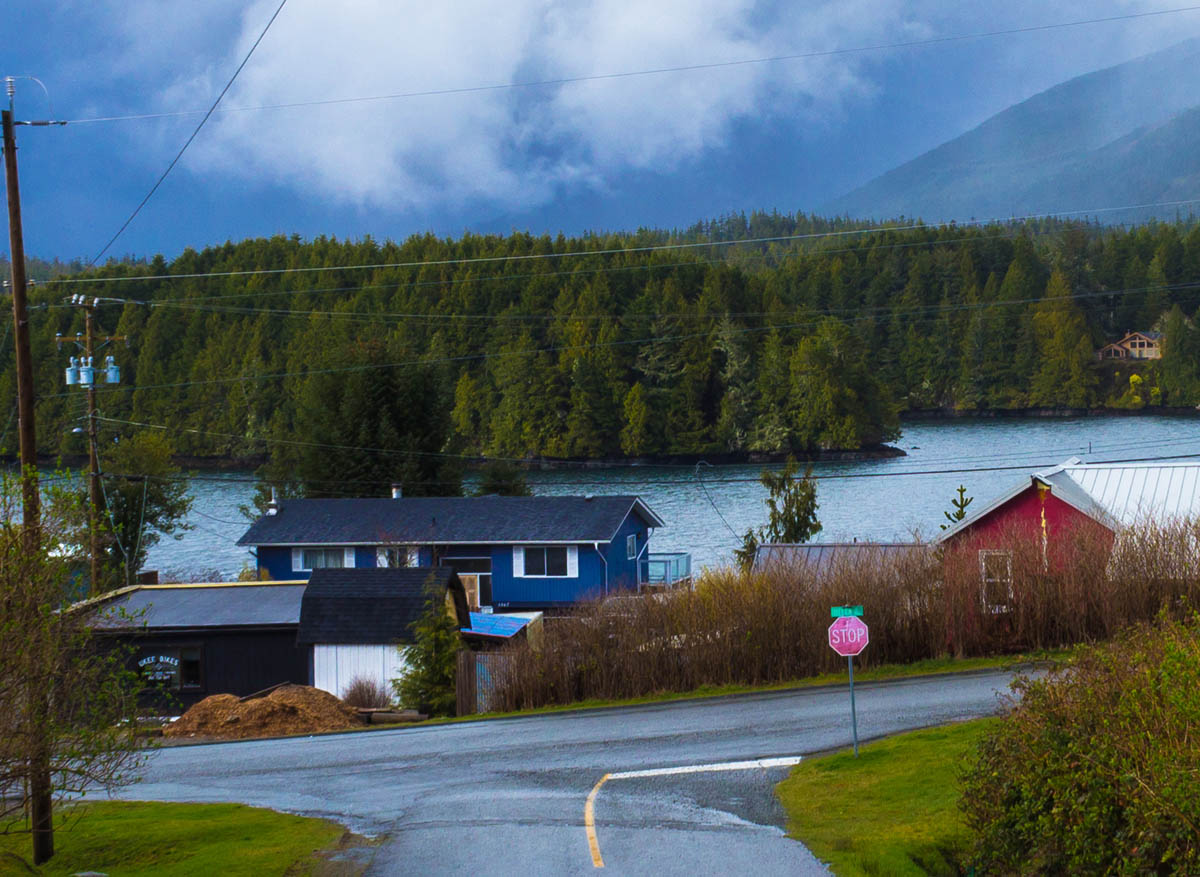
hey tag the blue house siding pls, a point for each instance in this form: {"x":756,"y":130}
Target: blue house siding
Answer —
{"x":601,"y":567}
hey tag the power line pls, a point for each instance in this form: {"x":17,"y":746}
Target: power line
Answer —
{"x":188,"y":142}
{"x":937,"y":311}
{"x":525,"y":257}
{"x":563,"y":464}
{"x":656,"y":71}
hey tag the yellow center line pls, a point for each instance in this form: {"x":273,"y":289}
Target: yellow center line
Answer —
{"x":589,"y":822}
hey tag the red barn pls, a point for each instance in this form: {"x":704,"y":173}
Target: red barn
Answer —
{"x":1052,"y":508}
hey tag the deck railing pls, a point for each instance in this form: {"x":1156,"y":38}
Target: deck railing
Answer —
{"x":669,"y":569}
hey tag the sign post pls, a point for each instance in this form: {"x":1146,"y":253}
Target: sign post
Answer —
{"x":848,"y":637}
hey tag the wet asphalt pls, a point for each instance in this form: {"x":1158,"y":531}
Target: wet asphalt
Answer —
{"x":507,"y":796}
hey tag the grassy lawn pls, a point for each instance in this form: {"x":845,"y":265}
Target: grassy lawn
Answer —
{"x":135,"y":838}
{"x":891,"y":811}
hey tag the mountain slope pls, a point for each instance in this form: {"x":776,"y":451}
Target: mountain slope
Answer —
{"x":1114,"y":137}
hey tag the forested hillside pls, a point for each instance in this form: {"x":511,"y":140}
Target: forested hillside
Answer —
{"x":611,"y":345}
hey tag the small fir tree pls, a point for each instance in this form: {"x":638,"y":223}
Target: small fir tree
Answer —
{"x":428,"y":680}
{"x":959,"y":503}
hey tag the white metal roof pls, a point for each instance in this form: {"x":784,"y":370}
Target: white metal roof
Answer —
{"x":1115,"y":494}
{"x":1130,"y":492}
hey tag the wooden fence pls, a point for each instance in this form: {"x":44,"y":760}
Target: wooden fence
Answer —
{"x":478,"y":676}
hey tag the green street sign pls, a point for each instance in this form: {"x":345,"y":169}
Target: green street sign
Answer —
{"x":845,"y":611}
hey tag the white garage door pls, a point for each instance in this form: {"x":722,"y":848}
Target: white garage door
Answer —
{"x":334,"y":666}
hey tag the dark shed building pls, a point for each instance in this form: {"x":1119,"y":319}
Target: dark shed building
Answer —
{"x":357,"y":620}
{"x":197,"y":640}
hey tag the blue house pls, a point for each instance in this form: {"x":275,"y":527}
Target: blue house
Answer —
{"x":510,"y":552}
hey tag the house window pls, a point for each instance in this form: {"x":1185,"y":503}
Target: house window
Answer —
{"x":475,"y":573}
{"x":546,"y":561}
{"x":304,"y":559}
{"x":631,"y":547}
{"x":175,"y":669}
{"x":398,"y":556}
{"x":995,"y":573}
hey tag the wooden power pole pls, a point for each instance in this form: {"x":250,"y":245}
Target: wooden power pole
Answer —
{"x":16,"y":243}
{"x":41,"y":801}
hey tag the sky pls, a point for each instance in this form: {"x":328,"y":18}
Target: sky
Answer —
{"x":664,"y":149}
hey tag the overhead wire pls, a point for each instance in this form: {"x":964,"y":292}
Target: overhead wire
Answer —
{"x":608,"y":251}
{"x":656,"y":71}
{"x":933,"y":312}
{"x":188,"y":142}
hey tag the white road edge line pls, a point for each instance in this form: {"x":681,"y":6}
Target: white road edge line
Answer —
{"x":705,"y":768}
{"x":589,"y":809}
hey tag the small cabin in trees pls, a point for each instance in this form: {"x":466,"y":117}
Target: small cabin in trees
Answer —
{"x":1135,"y":345}
{"x":510,"y":552}
{"x":1058,"y":509}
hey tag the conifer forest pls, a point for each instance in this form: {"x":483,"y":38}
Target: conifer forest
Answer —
{"x":760,"y":334}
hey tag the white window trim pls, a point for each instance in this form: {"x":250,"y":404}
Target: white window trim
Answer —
{"x":519,"y":562}
{"x":985,"y":580}
{"x":412,"y":559}
{"x":298,"y":557}
{"x":631,"y":550}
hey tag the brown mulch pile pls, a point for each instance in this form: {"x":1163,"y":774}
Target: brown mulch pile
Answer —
{"x":292,"y":709}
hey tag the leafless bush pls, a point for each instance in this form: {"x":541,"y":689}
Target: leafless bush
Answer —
{"x":770,"y":626}
{"x":366,"y":693}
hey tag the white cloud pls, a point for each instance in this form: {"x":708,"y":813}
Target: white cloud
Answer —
{"x":514,"y":146}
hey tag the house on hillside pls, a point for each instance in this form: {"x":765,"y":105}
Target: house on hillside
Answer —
{"x":1051,"y":507}
{"x":191,"y":640}
{"x":510,"y":552}
{"x":1135,"y":345}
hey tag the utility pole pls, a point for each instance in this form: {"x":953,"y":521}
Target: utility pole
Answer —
{"x":83,"y":372}
{"x":41,"y":788}
{"x":31,"y":501}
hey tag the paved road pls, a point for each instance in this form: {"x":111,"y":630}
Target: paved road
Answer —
{"x":508,"y":796}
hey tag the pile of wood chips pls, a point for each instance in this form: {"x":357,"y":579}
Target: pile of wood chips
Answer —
{"x":289,"y":709}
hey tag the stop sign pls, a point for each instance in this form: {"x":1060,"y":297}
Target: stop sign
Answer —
{"x":848,"y":636}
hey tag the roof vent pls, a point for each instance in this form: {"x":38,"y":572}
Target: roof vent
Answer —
{"x":397,"y":491}
{"x":587,"y":497}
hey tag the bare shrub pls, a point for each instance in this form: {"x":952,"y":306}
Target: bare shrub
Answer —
{"x":770,"y":626}
{"x":364,"y":692}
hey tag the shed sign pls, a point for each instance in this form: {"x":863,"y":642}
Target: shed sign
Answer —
{"x":159,"y":668}
{"x":848,"y":635}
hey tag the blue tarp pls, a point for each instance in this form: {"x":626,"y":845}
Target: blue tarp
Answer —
{"x":495,"y":625}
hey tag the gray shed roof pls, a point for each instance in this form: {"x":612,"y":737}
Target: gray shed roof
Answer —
{"x":372,"y":606}
{"x":196,"y":606}
{"x":821,"y":558}
{"x":446,"y":520}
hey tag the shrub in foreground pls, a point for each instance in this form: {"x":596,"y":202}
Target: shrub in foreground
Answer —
{"x":1097,"y":771}
{"x":367,"y":693}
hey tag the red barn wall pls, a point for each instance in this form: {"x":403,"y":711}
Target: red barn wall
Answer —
{"x":1022,"y":516}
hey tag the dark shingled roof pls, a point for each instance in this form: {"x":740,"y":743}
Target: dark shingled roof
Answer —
{"x":371,"y":606}
{"x":446,"y":520}
{"x":192,"y":606}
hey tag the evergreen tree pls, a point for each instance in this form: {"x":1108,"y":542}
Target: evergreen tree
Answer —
{"x":427,"y":683}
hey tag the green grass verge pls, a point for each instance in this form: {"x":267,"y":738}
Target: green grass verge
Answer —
{"x":891,"y":811}
{"x":130,"y":839}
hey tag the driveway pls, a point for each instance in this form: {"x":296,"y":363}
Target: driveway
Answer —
{"x":675,"y":788}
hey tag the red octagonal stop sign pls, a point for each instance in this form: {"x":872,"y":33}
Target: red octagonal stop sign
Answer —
{"x":848,"y":636}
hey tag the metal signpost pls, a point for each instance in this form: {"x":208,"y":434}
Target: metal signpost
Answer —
{"x":848,"y":636}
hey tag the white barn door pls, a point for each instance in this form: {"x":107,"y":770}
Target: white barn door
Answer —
{"x":335,"y":666}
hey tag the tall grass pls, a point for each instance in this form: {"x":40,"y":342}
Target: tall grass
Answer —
{"x":770,"y":625}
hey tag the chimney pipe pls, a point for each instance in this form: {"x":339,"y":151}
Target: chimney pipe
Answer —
{"x":397,"y":491}
{"x":273,"y":505}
